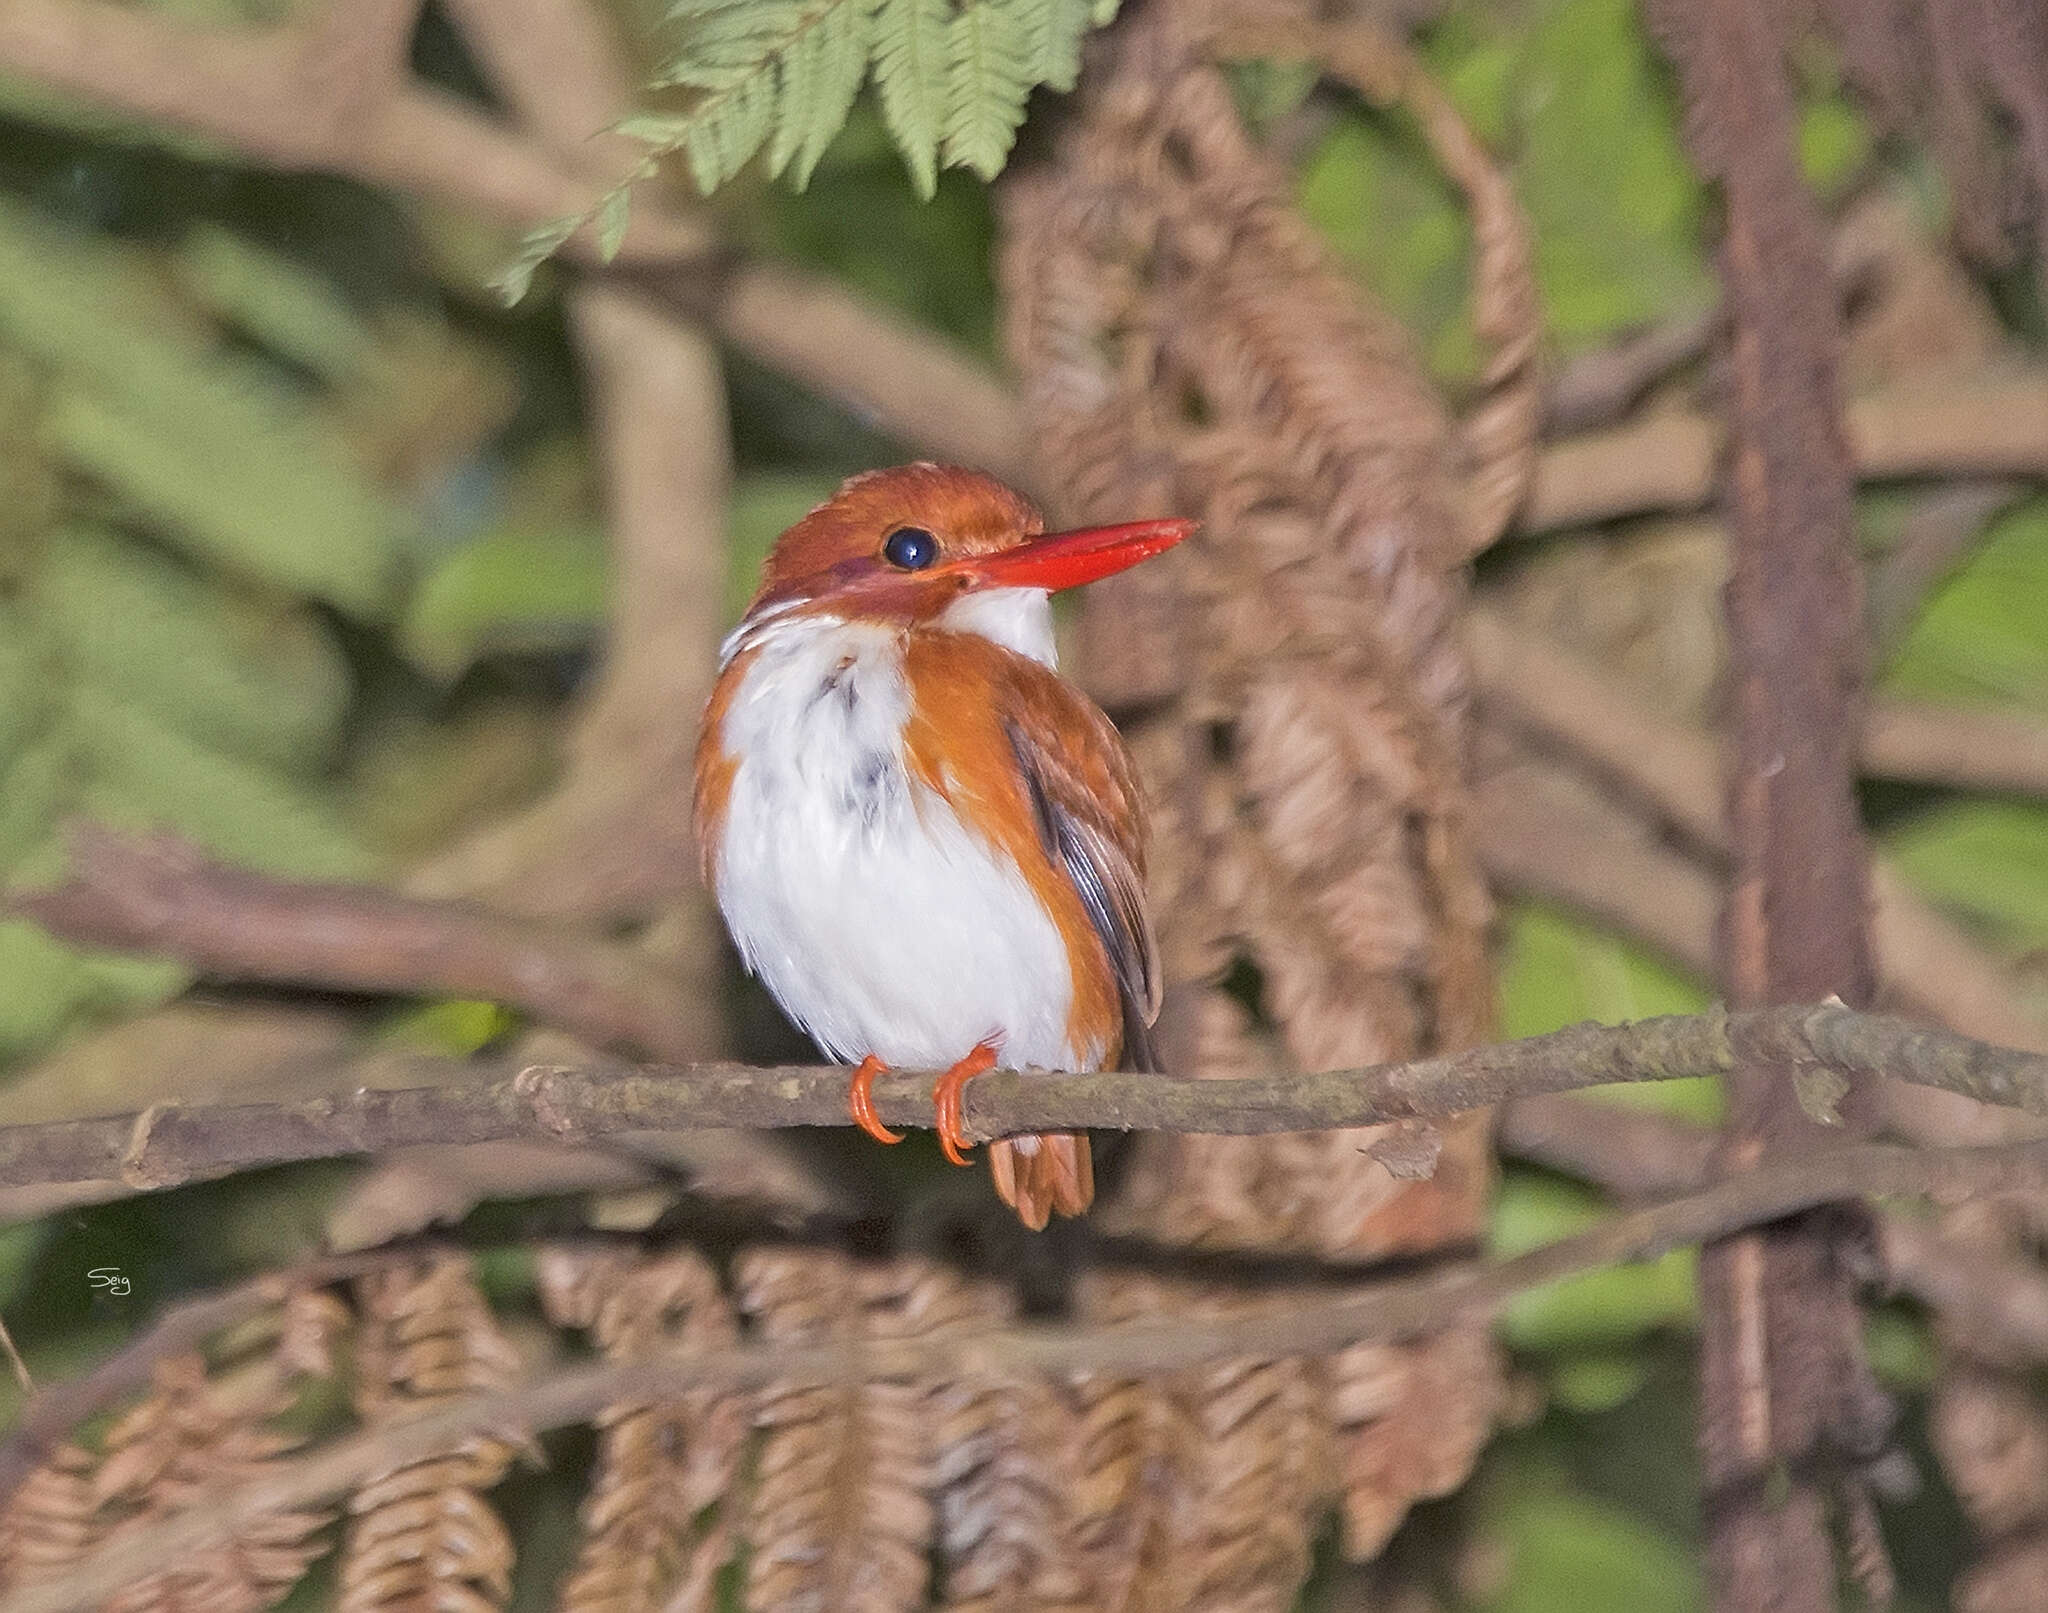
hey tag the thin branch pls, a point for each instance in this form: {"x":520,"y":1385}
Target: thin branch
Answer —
{"x":1990,"y":425}
{"x":1537,"y":834}
{"x":1380,"y":1311}
{"x":162,"y":895}
{"x":167,"y":1144}
{"x":902,"y":379}
{"x":15,"y":1364}
{"x":1598,"y":388}
{"x":1957,"y":746}
{"x":1629,"y":1152}
{"x":1999,"y":1304}
{"x":1544,"y":685}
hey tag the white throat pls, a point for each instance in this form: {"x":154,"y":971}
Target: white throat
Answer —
{"x":1019,"y":619}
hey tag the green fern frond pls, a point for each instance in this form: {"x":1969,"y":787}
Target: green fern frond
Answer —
{"x":611,"y":222}
{"x":988,"y":79}
{"x":1054,"y":31}
{"x":759,"y":65}
{"x":726,"y":41}
{"x":820,"y":76}
{"x":535,"y":248}
{"x":953,"y":78}
{"x":728,"y":129}
{"x":912,"y":77}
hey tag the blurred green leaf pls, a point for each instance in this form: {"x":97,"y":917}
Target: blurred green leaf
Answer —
{"x":19,"y":1245}
{"x":25,"y":691}
{"x":274,"y":504}
{"x":294,"y":312}
{"x":1566,"y":1550}
{"x":507,"y":591}
{"x":1834,"y":143}
{"x":138,"y":693}
{"x":455,"y":1028}
{"x":1391,"y":216}
{"x":1572,"y":97}
{"x":45,"y":985}
{"x":35,"y":782}
{"x":1592,"y":1383}
{"x":1984,"y":634}
{"x":210,"y":447}
{"x":1615,"y":206}
{"x":146,"y":776}
{"x":252,"y":678}
{"x":1598,"y":1309}
{"x":1268,"y":90}
{"x":1989,"y":859}
{"x":1901,"y":1349}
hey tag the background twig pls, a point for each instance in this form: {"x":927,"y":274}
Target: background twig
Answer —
{"x":1543,"y":689}
{"x":163,"y":896}
{"x":2000,"y":1303}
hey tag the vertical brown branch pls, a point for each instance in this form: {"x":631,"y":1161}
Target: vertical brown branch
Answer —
{"x":1781,"y":1361}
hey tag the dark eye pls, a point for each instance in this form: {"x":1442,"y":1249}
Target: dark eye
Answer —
{"x":910,"y":548}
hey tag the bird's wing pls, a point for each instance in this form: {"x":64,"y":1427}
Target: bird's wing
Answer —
{"x":1085,"y":797}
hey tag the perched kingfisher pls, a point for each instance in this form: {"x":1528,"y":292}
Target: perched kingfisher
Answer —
{"x":928,"y":844}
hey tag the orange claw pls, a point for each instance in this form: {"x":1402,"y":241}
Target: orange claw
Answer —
{"x":860,"y":1101}
{"x":946,"y":1100}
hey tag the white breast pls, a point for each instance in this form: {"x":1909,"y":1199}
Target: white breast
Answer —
{"x":880,"y":921}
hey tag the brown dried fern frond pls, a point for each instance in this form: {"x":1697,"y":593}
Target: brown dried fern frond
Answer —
{"x":196,"y":1428}
{"x":1497,"y":434}
{"x":421,"y":1538}
{"x":1297,"y":702}
{"x":187,"y":1436}
{"x":1133,"y":1436}
{"x":656,"y":1525}
{"x":51,"y":1521}
{"x":1234,"y":1464}
{"x":840,"y":1518}
{"x":310,"y":1323}
{"x":1990,"y":1431}
{"x":1019,"y":1506}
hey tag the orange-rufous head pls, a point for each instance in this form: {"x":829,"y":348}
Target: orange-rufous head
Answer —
{"x":905,"y":543}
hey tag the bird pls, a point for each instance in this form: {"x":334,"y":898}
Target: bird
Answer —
{"x":925,"y":842}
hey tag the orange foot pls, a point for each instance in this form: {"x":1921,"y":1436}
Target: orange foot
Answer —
{"x":946,"y":1100}
{"x":860,"y":1101}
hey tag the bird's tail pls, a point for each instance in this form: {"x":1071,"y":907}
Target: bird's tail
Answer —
{"x":1037,"y":1175}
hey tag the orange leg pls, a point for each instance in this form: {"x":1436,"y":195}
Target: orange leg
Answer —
{"x":860,"y":1101}
{"x":946,"y":1099}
